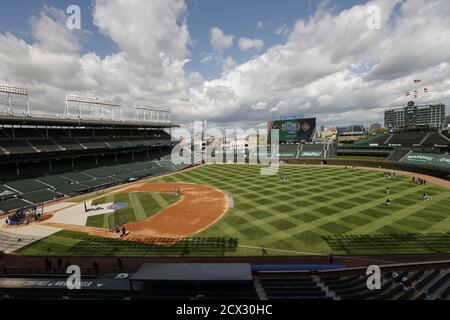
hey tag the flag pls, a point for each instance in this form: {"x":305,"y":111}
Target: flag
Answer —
{"x":417,"y":81}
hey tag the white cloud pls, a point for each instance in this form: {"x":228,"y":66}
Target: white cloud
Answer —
{"x":149,"y":68}
{"x":260,"y":25}
{"x":248,"y":44}
{"x":333,"y":67}
{"x":220,"y":41}
{"x":330,"y":65}
{"x":282,"y":30}
{"x":229,"y":63}
{"x":261,"y":105}
{"x":217,"y":59}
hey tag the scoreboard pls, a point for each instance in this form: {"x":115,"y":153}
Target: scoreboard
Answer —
{"x":293,"y":130}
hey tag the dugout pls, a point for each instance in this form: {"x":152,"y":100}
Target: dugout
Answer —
{"x":194,"y":280}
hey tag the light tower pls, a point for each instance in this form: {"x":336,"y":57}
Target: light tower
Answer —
{"x":156,"y":114}
{"x":12,"y":91}
{"x":93,"y":103}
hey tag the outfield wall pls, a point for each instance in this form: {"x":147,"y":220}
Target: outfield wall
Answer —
{"x":443,"y":173}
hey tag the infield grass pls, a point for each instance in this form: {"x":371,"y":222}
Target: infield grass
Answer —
{"x":140,"y":207}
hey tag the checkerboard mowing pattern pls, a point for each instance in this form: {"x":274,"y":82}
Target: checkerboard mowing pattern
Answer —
{"x":316,"y":211}
{"x":326,"y":210}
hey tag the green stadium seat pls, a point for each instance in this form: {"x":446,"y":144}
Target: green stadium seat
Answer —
{"x":69,"y":144}
{"x":13,"y":204}
{"x":41,"y":196}
{"x":27,"y":185}
{"x":93,"y":143}
{"x":17,"y":146}
{"x":44,"y":145}
{"x":76,"y":176}
{"x":62,"y":185}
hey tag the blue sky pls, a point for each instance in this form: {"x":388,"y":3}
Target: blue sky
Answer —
{"x":15,"y":17}
{"x":240,"y":18}
{"x":236,"y":17}
{"x":178,"y":54}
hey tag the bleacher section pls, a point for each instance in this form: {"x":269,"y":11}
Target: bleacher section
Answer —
{"x":409,"y":284}
{"x":397,"y":155}
{"x":45,"y":145}
{"x":379,"y":138}
{"x":28,"y":185}
{"x":41,"y":196}
{"x":436,"y":138}
{"x":404,"y":285}
{"x":45,"y":188}
{"x":16,"y":147}
{"x":285,"y":288}
{"x":362,"y":150}
{"x":12,"y":204}
{"x":45,"y":158}
{"x":63,"y":185}
{"x":429,"y":159}
{"x":30,"y":140}
{"x":408,"y":138}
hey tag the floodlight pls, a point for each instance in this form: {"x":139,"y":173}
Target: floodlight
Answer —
{"x":92,"y":102}
{"x":164,"y":113}
{"x":4,"y":88}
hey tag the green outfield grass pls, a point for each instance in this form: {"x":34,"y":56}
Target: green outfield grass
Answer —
{"x":140,"y":207}
{"x":318,"y":211}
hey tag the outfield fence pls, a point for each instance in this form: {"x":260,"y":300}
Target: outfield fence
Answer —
{"x":426,"y":169}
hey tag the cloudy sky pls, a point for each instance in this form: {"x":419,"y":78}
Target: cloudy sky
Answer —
{"x":233,"y":63}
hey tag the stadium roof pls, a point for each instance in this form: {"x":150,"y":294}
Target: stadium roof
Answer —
{"x":193,"y":272}
{"x":48,"y":121}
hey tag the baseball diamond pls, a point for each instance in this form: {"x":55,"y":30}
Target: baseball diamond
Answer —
{"x":223,"y":150}
{"x":319,"y":210}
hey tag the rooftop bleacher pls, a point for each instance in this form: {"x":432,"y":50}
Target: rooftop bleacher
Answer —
{"x":408,"y":137}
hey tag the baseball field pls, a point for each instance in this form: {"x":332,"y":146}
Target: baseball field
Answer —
{"x":313,"y":211}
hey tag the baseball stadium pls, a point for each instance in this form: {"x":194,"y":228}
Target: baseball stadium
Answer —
{"x":96,"y":190}
{"x":113,"y":194}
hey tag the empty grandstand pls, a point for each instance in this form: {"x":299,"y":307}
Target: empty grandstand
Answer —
{"x":242,"y":281}
{"x":44,"y":159}
{"x":351,"y":133}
